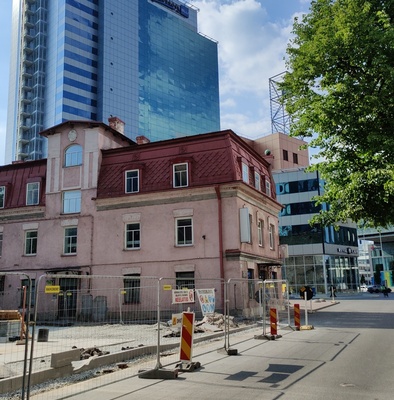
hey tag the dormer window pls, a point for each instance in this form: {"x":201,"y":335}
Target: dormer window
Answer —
{"x":32,"y":193}
{"x":257,"y":181}
{"x":180,"y":175}
{"x":2,"y":196}
{"x":73,"y":155}
{"x":267,"y":186}
{"x":132,"y":183}
{"x":245,"y":173}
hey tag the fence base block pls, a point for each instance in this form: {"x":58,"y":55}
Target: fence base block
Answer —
{"x":158,"y":374}
{"x":268,"y":337}
{"x":306,"y":327}
{"x":232,"y":352}
{"x":188,"y":366}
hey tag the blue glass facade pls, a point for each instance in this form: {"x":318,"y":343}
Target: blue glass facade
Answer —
{"x":142,"y":61}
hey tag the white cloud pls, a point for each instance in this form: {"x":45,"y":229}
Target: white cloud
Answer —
{"x":251,"y":50}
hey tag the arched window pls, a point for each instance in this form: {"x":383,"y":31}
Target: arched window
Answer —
{"x":73,"y":155}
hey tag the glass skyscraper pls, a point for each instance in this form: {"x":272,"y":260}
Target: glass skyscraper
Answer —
{"x":140,"y":60}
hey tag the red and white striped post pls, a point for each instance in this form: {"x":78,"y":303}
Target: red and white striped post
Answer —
{"x":273,"y":321}
{"x":187,"y":331}
{"x":297,"y":316}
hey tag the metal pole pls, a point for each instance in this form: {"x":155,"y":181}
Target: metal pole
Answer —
{"x":264,"y":310}
{"x":306,"y":308}
{"x":158,"y":364}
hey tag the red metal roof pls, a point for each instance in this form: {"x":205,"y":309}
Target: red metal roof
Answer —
{"x":213,"y":158}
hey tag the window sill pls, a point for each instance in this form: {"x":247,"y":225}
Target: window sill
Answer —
{"x":69,"y":255}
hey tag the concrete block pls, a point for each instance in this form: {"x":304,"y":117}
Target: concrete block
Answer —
{"x":65,"y":358}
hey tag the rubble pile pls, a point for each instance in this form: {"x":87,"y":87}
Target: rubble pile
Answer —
{"x":92,"y":352}
{"x":210,"y":323}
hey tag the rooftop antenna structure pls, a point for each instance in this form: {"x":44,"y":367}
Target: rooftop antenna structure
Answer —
{"x":280,"y":119}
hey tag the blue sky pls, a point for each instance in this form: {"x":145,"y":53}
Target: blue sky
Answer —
{"x":252,"y":37}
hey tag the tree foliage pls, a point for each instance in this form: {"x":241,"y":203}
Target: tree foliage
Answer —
{"x":339,"y":91}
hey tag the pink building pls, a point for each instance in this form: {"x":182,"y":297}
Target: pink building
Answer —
{"x":197,"y":207}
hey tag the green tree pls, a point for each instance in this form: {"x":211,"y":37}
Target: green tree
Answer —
{"x":339,"y":91}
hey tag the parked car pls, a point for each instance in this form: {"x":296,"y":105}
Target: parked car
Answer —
{"x":373,"y":289}
{"x":363,"y":288}
{"x":378,"y":289}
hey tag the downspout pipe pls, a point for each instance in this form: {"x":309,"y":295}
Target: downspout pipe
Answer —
{"x":220,"y":226}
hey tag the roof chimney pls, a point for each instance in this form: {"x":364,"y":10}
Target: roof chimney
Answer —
{"x":142,"y":140}
{"x":117,"y":124}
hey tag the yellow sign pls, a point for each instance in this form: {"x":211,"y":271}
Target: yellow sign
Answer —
{"x":53,"y":289}
{"x":167,"y":287}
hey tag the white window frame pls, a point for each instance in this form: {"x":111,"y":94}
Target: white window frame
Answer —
{"x":257,"y":181}
{"x":70,"y":240}
{"x":132,"y":181}
{"x":245,"y":173}
{"x":134,"y":243}
{"x":184,"y":231}
{"x":180,"y":175}
{"x":267,"y":186}
{"x":260,"y":230}
{"x":72,"y":201}
{"x":272,"y":236}
{"x":31,"y":240}
{"x":32,"y":193}
{"x":73,"y":155}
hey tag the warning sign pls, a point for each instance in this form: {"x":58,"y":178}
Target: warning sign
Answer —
{"x":207,"y":300}
{"x":180,"y":296}
{"x":52,"y":289}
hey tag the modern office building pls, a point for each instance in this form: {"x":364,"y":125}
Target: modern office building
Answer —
{"x":320,"y":257}
{"x":365,"y":269}
{"x":142,"y":60}
{"x":381,"y":254}
{"x":316,"y":256}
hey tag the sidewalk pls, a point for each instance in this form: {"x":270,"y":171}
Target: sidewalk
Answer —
{"x":314,"y":304}
{"x":223,"y":374}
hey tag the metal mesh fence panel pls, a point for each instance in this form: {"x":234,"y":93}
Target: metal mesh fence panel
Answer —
{"x":85,"y":327}
{"x":252,"y":299}
{"x":15,"y":303}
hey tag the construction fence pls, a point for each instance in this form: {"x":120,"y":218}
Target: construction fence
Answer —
{"x":66,"y":328}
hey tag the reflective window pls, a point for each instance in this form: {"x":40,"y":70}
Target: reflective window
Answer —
{"x":72,"y":201}
{"x":180,"y":175}
{"x":30,"y":243}
{"x":73,"y":155}
{"x":133,"y":236}
{"x":132,"y":181}
{"x":33,"y":192}
{"x":257,"y":181}
{"x":70,"y":240}
{"x":2,"y":196}
{"x":300,"y":234}
{"x":184,"y":231}
{"x":307,"y":185}
{"x":260,"y":229}
{"x":245,"y":173}
{"x":306,"y":207}
{"x":267,"y":186}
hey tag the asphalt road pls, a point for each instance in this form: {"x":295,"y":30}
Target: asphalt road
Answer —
{"x":349,"y":354}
